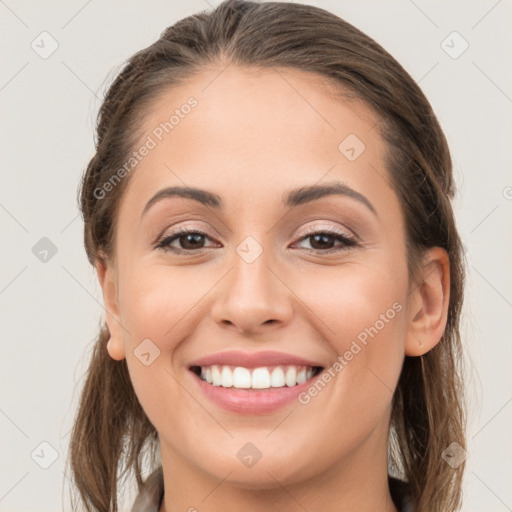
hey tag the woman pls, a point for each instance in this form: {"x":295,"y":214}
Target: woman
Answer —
{"x":268,"y":212}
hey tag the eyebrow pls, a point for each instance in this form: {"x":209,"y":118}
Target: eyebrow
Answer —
{"x":290,"y":199}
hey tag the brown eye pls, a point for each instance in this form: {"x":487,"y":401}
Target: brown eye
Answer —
{"x":187,"y":241}
{"x":191,"y":241}
{"x":324,"y":241}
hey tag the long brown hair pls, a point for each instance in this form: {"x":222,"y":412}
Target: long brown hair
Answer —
{"x":111,"y":434}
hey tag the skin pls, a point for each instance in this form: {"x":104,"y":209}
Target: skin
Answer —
{"x":254,"y":135}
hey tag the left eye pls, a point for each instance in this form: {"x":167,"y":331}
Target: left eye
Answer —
{"x":324,"y":239}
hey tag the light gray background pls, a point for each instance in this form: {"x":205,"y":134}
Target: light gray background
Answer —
{"x":51,"y":311}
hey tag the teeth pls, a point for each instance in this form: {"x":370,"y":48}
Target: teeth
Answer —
{"x":291,"y":376}
{"x":259,"y":378}
{"x":241,"y":378}
{"x":301,"y":376}
{"x":216,"y":377}
{"x":277,"y":378}
{"x":227,"y":377}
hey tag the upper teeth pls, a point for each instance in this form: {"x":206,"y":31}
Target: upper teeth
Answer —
{"x":257,"y":378}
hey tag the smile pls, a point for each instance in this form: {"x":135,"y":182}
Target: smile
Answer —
{"x":265,"y":377}
{"x":253,"y":382}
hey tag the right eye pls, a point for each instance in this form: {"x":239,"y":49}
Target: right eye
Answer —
{"x":189,"y":240}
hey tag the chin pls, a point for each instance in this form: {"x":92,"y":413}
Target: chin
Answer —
{"x":268,"y":472}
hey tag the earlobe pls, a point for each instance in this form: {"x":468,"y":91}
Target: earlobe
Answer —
{"x":107,"y":278}
{"x":428,"y":304}
{"x":115,"y":349}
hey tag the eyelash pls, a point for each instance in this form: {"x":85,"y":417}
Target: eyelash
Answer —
{"x":163,"y":244}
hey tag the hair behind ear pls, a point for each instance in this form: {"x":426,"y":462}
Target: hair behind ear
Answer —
{"x":426,"y":421}
{"x":109,"y":414}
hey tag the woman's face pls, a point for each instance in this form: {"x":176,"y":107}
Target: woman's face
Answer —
{"x":258,"y":282}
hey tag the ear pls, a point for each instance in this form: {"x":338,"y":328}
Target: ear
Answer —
{"x":108,"y":281}
{"x":428,"y":303}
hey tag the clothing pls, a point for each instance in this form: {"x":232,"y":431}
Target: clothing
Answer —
{"x":150,"y":497}
{"x":399,"y":494}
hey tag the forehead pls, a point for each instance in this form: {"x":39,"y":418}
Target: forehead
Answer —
{"x":252,"y":132}
{"x":240,"y":106}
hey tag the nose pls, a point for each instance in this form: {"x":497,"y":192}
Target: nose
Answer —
{"x":253,"y":299}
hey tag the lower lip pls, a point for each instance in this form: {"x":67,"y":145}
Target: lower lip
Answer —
{"x":252,"y":401}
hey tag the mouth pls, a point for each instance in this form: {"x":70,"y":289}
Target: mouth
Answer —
{"x":260,"y":378}
{"x":253,"y":382}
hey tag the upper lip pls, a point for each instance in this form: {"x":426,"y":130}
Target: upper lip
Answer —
{"x":253,"y":359}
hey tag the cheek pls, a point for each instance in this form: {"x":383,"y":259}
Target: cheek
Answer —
{"x":155,"y":306}
{"x":155,"y":301}
{"x":360,"y":311}
{"x":356,"y":301}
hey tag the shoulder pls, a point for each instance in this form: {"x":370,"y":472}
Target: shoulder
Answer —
{"x":150,"y":497}
{"x":400,"y":494}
